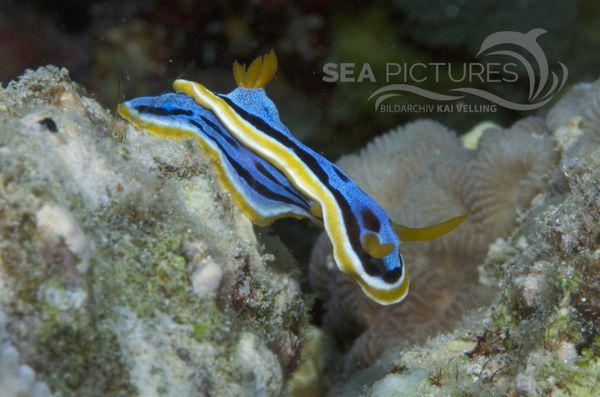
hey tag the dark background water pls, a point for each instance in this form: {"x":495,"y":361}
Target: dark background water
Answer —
{"x":127,"y":48}
{"x":142,"y":45}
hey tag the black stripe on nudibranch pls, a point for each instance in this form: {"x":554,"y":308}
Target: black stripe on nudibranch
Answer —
{"x":261,"y":168}
{"x":370,"y":220}
{"x":392,"y":276}
{"x":373,"y":267}
{"x":259,"y":187}
{"x":158,"y":111}
{"x":245,"y":174}
{"x":302,"y":153}
{"x":232,"y":142}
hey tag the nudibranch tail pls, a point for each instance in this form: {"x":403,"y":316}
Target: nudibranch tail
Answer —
{"x":428,"y":232}
{"x":260,"y":72}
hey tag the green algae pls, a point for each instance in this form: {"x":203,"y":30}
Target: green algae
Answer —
{"x":84,"y":355}
{"x":150,"y":274}
{"x":199,"y":330}
{"x":86,"y":361}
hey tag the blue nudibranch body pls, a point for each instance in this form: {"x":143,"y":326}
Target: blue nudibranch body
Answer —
{"x":271,"y":175}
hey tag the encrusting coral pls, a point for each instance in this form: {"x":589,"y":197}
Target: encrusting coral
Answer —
{"x":422,"y":174}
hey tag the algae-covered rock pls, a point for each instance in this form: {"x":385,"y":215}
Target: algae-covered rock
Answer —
{"x":124,"y":268}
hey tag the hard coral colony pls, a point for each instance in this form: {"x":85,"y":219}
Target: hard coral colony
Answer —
{"x":432,"y":176}
{"x":272,"y":175}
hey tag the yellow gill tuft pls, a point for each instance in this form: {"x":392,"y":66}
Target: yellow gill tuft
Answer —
{"x":258,"y":74}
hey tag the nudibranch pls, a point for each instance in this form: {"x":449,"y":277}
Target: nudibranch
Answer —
{"x":245,"y":124}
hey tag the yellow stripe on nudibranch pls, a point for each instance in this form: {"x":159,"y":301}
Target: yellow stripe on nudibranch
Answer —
{"x":374,"y":247}
{"x":165,"y":131}
{"x":260,"y":72}
{"x":383,"y":296}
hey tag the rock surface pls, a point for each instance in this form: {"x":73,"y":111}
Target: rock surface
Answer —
{"x":124,"y":268}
